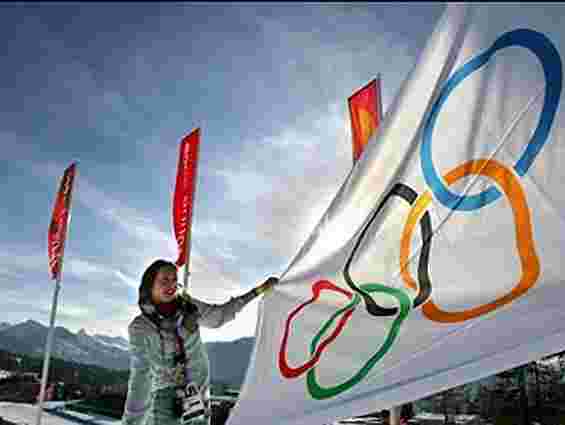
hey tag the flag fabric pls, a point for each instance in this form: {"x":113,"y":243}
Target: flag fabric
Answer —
{"x":440,"y":259}
{"x":57,"y":233}
{"x":365,"y":113}
{"x":184,"y":193}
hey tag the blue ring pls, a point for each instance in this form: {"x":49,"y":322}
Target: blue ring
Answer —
{"x":550,"y":60}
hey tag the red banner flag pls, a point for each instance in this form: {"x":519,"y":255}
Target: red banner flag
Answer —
{"x":184,"y":193}
{"x":59,"y":221}
{"x":365,"y":111}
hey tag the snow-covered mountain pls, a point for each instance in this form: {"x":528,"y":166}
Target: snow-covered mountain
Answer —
{"x":113,"y":341}
{"x":228,"y":360}
{"x":29,"y":338}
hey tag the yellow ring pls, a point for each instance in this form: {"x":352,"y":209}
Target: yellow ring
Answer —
{"x":524,"y":239}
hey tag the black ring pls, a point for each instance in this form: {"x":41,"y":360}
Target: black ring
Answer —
{"x":424,"y":283}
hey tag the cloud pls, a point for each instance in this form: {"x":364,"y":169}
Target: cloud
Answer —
{"x":14,"y":147}
{"x":128,"y":280}
{"x":278,"y":182}
{"x":151,"y":240}
{"x":20,"y":258}
{"x":287,"y":181}
{"x":90,"y":290}
{"x":271,"y":99}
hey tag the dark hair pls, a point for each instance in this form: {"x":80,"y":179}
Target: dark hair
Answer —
{"x":149,"y":277}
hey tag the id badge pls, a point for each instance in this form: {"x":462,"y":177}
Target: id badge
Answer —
{"x":192,"y":404}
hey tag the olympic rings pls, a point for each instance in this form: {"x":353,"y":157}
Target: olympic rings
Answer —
{"x":549,"y":57}
{"x":524,"y":238}
{"x":550,"y":60}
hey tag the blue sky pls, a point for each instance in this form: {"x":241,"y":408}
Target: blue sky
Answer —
{"x":117,"y":85}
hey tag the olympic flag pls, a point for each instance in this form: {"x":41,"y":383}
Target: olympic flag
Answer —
{"x":440,"y":260}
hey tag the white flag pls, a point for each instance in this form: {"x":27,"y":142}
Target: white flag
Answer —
{"x":441,"y":259}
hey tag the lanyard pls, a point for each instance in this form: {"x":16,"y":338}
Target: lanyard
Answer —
{"x":192,"y":402}
{"x":180,"y":357}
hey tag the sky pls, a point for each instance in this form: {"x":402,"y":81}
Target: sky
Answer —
{"x":116,"y":86}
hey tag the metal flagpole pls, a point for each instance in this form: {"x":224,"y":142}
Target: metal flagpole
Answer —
{"x":395,"y":415}
{"x":380,"y":100}
{"x":48,"y":347}
{"x":51,"y":333}
{"x":187,"y":257}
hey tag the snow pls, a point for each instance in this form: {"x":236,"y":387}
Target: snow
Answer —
{"x":440,"y":418}
{"x":26,"y":414}
{"x":120,"y":346}
{"x":5,"y":374}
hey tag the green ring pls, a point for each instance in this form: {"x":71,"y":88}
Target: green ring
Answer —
{"x":318,"y":392}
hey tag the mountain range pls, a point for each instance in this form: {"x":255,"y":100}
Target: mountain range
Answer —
{"x":228,"y":360}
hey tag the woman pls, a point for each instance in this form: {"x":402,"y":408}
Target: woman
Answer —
{"x":169,"y":373}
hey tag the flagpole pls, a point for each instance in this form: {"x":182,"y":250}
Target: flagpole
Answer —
{"x":51,"y":332}
{"x":187,"y":258}
{"x":380,"y":99}
{"x":395,"y":415}
{"x":48,"y":347}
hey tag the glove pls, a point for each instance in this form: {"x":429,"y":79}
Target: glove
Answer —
{"x":267,"y":285}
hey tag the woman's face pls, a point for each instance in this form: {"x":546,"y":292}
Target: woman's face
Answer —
{"x":164,"y":286}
